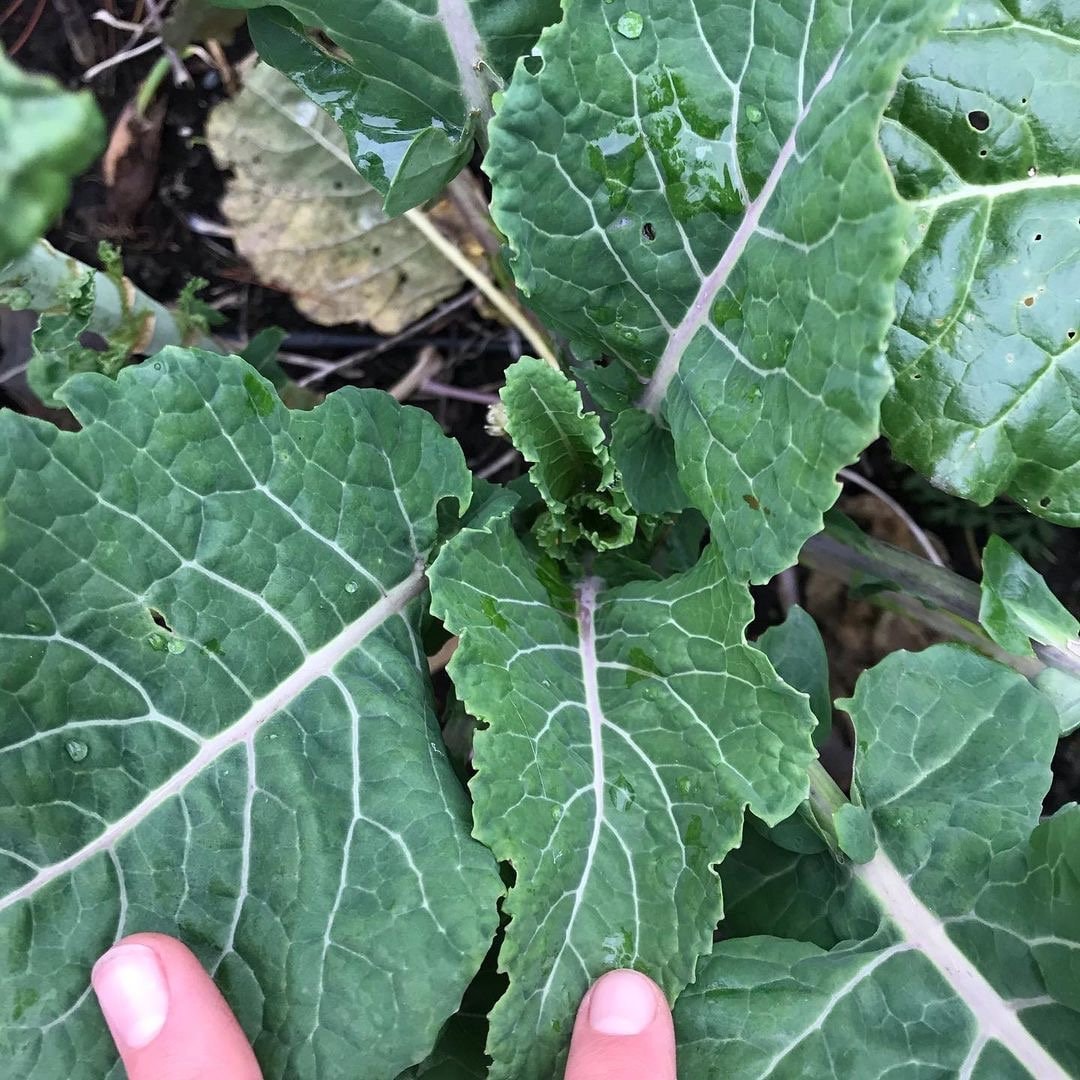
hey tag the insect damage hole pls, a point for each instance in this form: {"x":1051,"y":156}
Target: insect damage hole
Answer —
{"x":159,"y":620}
{"x":647,"y":231}
{"x":979,"y":120}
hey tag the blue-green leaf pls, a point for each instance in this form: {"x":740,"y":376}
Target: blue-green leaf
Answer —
{"x":408,"y":81}
{"x":797,"y":652}
{"x":702,"y":204}
{"x":957,"y":939}
{"x":217,"y":722}
{"x":1017,"y":606}
{"x":626,"y":730}
{"x":984,"y":141}
{"x":47,"y":136}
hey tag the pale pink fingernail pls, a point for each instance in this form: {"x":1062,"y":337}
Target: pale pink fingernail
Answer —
{"x":622,"y":1003}
{"x":132,"y":992}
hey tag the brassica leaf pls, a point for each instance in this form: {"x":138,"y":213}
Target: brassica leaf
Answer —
{"x":409,"y":81}
{"x":956,"y":941}
{"x":984,"y":140}
{"x":796,"y":650}
{"x":572,"y":468}
{"x":627,"y":729}
{"x":217,"y":721}
{"x":695,"y":197}
{"x":47,"y":136}
{"x":1016,"y":605}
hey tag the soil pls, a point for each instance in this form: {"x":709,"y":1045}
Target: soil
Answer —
{"x":164,"y":246}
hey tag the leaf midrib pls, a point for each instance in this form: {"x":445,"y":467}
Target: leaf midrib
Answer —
{"x":697,"y":315}
{"x":994,"y":1018}
{"x":468,"y":50}
{"x":586,"y":648}
{"x":317,"y":665}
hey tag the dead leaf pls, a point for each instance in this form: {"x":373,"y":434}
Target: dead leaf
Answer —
{"x":129,"y":165}
{"x":309,"y":223}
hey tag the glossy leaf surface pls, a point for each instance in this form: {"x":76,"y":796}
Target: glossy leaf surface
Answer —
{"x":627,"y":729}
{"x":408,"y":81}
{"x":984,"y":140}
{"x":958,"y":938}
{"x":217,"y":719}
{"x":702,"y":202}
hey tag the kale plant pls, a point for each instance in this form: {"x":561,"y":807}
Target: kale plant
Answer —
{"x":760,"y":234}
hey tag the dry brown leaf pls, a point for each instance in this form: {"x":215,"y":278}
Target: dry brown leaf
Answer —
{"x":129,"y":165}
{"x":310,"y":224}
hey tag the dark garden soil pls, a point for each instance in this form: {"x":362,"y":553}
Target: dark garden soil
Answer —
{"x":166,"y":241}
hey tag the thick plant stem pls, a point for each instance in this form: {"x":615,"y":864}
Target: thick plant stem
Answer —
{"x":822,"y":803}
{"x":932,"y":595}
{"x":38,"y":278}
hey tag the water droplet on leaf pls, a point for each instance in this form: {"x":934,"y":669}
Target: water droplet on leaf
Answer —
{"x":175,"y":645}
{"x":351,"y":587}
{"x":76,"y":750}
{"x":157,"y":642}
{"x":754,"y":114}
{"x":630,"y":24}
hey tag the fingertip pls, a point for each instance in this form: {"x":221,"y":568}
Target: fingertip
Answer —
{"x":166,"y":1016}
{"x":623,"y":1031}
{"x":133,"y":993}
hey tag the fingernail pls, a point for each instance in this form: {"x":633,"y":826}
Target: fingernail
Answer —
{"x":622,"y":1003}
{"x":131,"y":989}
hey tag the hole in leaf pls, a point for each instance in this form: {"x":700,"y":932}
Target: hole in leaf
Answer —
{"x":159,"y":620}
{"x":983,"y":153}
{"x":338,"y":185}
{"x":1028,"y":301}
{"x":534,"y":64}
{"x":376,"y":251}
{"x":1038,"y":236}
{"x":917,"y":375}
{"x":1044,"y":502}
{"x":1033,"y":171}
{"x":648,"y":231}
{"x":1023,"y":101}
{"x":1070,"y":334}
{"x":979,"y":120}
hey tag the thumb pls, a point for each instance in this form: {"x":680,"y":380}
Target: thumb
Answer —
{"x":167,"y":1018}
{"x":623,"y":1031}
